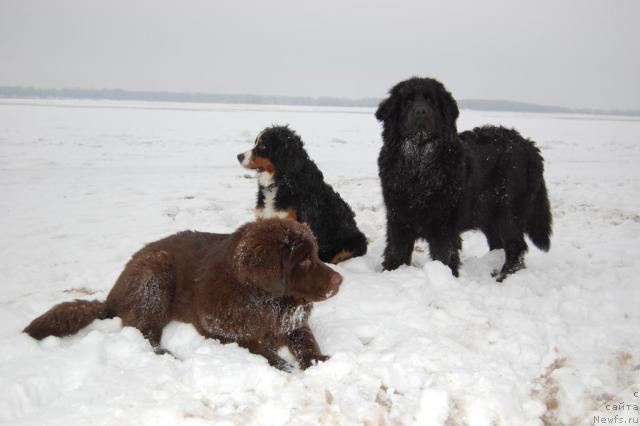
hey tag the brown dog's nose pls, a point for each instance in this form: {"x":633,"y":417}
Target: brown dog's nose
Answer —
{"x":240,"y":158}
{"x":335,"y":279}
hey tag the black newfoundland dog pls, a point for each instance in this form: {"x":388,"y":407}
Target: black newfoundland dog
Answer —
{"x":437,"y":183}
{"x":290,"y":185}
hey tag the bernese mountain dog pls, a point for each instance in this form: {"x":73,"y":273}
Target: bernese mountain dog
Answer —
{"x":290,"y":185}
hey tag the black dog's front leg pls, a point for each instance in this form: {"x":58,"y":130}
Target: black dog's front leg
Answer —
{"x":445,"y":247}
{"x":304,"y":347}
{"x":400,"y":240}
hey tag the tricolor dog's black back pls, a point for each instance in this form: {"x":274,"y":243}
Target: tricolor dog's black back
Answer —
{"x":290,"y":185}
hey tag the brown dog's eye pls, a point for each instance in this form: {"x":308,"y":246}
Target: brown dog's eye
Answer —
{"x":261,"y":147}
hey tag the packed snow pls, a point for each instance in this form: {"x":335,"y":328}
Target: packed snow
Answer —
{"x":84,"y":184}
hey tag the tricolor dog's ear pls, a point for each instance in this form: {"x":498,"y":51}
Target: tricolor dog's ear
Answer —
{"x":292,"y":151}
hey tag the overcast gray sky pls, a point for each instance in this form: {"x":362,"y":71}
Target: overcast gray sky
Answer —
{"x":568,"y":53}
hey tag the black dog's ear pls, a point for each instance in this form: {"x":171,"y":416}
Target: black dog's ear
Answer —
{"x":389,"y":107}
{"x":448,"y":106}
{"x":386,"y":108}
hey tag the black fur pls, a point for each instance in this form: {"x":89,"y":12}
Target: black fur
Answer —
{"x":437,"y":183}
{"x":301,"y":189}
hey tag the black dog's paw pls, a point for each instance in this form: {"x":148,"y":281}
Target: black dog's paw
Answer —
{"x":505,"y":272}
{"x":455,"y":272}
{"x":391,"y":264}
{"x":499,"y":275}
{"x":389,"y":267}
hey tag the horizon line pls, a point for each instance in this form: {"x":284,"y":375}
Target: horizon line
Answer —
{"x":227,"y":98}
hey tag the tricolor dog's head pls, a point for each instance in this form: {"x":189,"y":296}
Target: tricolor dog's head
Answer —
{"x":276,"y":148}
{"x":280,"y":257}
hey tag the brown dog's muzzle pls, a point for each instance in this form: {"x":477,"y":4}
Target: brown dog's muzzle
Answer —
{"x":334,"y":283}
{"x":317,"y":284}
{"x":331,"y":281}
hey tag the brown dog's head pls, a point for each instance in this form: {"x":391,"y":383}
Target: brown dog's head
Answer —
{"x":419,"y":105}
{"x":280,"y":256}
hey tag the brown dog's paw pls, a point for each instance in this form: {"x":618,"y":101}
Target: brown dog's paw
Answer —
{"x":282,"y":365}
{"x":315,"y":360}
{"x":159,"y":350}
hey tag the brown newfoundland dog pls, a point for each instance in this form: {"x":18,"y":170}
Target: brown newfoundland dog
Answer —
{"x":254,"y":287}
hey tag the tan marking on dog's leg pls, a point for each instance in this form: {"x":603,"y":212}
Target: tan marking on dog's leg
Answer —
{"x":341,"y":256}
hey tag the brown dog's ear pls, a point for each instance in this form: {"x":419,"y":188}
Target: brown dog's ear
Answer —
{"x":263,"y":255}
{"x":258,"y":257}
{"x":287,"y":264}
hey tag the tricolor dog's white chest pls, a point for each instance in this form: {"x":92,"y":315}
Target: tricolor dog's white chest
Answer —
{"x":269,"y":190}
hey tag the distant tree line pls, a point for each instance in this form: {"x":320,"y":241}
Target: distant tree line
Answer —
{"x":117,"y":94}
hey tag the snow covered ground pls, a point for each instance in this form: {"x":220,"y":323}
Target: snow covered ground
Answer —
{"x":84,"y":184}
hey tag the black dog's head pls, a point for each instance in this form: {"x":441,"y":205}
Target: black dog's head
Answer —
{"x":419,"y":106}
{"x":280,"y":256}
{"x":276,"y":148}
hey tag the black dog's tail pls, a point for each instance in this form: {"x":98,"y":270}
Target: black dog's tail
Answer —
{"x":538,"y":226}
{"x":67,"y":318}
